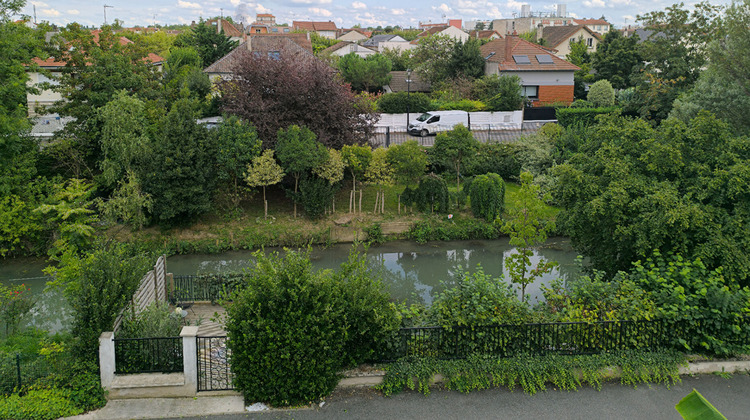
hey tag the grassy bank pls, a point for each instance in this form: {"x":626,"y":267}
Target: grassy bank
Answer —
{"x":248,"y":229}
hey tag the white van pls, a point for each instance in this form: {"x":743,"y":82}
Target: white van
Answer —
{"x":435,"y":121}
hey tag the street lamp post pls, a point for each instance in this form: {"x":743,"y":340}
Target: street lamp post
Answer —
{"x":408,"y":97}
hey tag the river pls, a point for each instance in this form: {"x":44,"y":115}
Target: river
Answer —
{"x":411,"y":272}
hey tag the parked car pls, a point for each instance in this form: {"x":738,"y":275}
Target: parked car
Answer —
{"x":433,"y":122}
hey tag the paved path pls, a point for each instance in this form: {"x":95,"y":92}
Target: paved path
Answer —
{"x":731,"y":396}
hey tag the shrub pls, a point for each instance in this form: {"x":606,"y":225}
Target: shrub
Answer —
{"x":462,"y":105}
{"x":487,"y":194}
{"x":582,"y":103}
{"x":431,"y":194}
{"x":509,"y":96}
{"x":157,"y":320}
{"x":316,"y":195}
{"x":292,"y":329}
{"x":38,"y":404}
{"x":396,"y":103}
{"x":477,"y":299}
{"x":500,"y":158}
{"x":567,"y":117}
{"x":601,"y":94}
{"x":457,"y":228}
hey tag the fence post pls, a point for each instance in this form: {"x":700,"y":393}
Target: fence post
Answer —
{"x":107,"y":358}
{"x":190,"y":358}
{"x":468,"y":120}
{"x":387,"y":136}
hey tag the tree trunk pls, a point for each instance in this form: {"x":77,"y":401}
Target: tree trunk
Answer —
{"x":265,"y":204}
{"x":296,"y":181}
{"x":458,"y":183}
{"x":360,"y":201}
{"x":377,"y":200}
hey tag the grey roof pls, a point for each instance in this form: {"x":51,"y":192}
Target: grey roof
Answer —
{"x":645,"y":34}
{"x":257,"y":44}
{"x":377,"y":39}
{"x":398,"y":83}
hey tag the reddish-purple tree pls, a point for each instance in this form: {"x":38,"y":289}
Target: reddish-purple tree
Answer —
{"x":276,"y":90}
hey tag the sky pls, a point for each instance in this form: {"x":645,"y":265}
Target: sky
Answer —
{"x":345,"y":13}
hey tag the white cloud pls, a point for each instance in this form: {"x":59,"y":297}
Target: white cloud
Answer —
{"x":51,"y":12}
{"x":260,"y":9}
{"x":398,"y":12}
{"x":39,"y":4}
{"x":358,"y":5}
{"x":319,"y":12}
{"x":312,"y":1}
{"x":443,"y":8}
{"x":494,"y":13}
{"x":73,"y":12}
{"x":188,"y":5}
{"x":369,"y":19}
{"x":594,"y":3}
{"x":235,"y":2}
{"x":514,"y":5}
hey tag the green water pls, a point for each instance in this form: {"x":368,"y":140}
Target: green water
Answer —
{"x":411,"y":271}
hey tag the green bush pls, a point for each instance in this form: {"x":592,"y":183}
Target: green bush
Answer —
{"x":477,"y":299}
{"x":316,"y":195}
{"x":39,"y":404}
{"x":397,"y":103}
{"x":440,"y":228}
{"x":601,"y":94}
{"x":292,"y":329}
{"x":487,"y":194}
{"x":463,"y":105}
{"x":431,"y":195}
{"x":157,"y":320}
{"x":567,"y":117}
{"x":500,"y":158}
{"x":509,"y":95}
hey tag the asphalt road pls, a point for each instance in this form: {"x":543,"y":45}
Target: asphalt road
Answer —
{"x":731,"y":396}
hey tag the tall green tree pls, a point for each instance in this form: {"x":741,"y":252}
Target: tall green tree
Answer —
{"x":365,"y":74}
{"x":579,"y":56}
{"x":298,"y":151}
{"x":237,"y":144}
{"x":617,"y":58}
{"x":454,"y":149}
{"x":466,"y":60}
{"x":264,"y":172}
{"x":180,"y":171}
{"x":356,"y":158}
{"x":409,"y":162}
{"x":527,"y":229}
{"x":207,"y":41}
{"x":380,"y":174}
{"x":432,"y":58}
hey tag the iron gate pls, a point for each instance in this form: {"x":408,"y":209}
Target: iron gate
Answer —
{"x":214,"y":372}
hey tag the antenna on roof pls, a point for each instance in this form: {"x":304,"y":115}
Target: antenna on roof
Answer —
{"x":105,"y":12}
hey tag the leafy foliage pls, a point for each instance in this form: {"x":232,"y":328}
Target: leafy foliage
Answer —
{"x":263,"y":172}
{"x":617,"y":58}
{"x":156,"y":320}
{"x":509,"y":94}
{"x":466,"y":60}
{"x":601,"y":94}
{"x":210,"y":44}
{"x":431,"y":194}
{"x":39,"y":404}
{"x":70,"y":214}
{"x":15,"y":303}
{"x":487,"y":194}
{"x":237,"y":144}
{"x":277,"y":93}
{"x":455,"y":149}
{"x":408,"y":160}
{"x":365,"y":74}
{"x":298,"y":152}
{"x":316,"y":195}
{"x":401,"y":102}
{"x":432,"y":58}
{"x":295,"y":328}
{"x":568,"y":117}
{"x":501,"y":158}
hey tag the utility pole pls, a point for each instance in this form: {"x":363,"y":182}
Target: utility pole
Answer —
{"x":34,"y":14}
{"x":105,"y":12}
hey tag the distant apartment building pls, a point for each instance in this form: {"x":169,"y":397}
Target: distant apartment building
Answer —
{"x":597,"y":25}
{"x":529,"y":21}
{"x":456,"y":23}
{"x":324,"y":29}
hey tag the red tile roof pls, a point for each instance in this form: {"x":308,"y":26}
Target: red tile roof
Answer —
{"x":485,"y":34}
{"x":498,"y":48}
{"x":52,"y":62}
{"x":590,"y":22}
{"x":314,"y":26}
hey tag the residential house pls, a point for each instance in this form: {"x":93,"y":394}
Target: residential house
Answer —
{"x":451,"y":22}
{"x":400,"y":83}
{"x":270,"y":44}
{"x":560,"y":38}
{"x":265,"y":19}
{"x":265,"y":23}
{"x":489,"y":34}
{"x":47,"y":97}
{"x":343,"y":48}
{"x":234,"y":32}
{"x":597,"y":25}
{"x":353,"y":35}
{"x":324,"y":29}
{"x":545,"y":78}
{"x":523,"y":25}
{"x":449,"y":31}
{"x":393,"y":42}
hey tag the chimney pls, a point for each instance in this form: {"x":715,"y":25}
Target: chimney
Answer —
{"x":539,"y":33}
{"x":249,"y":43}
{"x":218,"y":27}
{"x":510,"y":41}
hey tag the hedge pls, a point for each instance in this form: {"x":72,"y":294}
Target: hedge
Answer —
{"x":581,"y":116}
{"x":396,"y":103}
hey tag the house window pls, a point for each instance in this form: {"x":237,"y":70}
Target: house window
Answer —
{"x":274,"y":29}
{"x":531,"y":92}
{"x":591,"y":42}
{"x":572,"y":40}
{"x":257,"y":31}
{"x":274,"y":55}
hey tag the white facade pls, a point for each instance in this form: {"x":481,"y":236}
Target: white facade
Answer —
{"x":399,"y":46}
{"x":353,"y":48}
{"x":454,"y":33}
{"x":45,"y":97}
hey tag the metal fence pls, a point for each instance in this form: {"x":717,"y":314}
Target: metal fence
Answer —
{"x":569,"y":338}
{"x":148,"y":355}
{"x":207,"y":287}
{"x":21,"y":370}
{"x":214,"y":370}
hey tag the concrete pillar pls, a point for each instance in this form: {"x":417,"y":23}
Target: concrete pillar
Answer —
{"x":107,"y":358}
{"x":190,"y":357}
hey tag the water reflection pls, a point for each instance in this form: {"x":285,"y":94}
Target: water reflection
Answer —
{"x":412,"y":272}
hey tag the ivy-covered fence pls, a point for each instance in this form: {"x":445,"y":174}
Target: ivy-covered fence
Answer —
{"x":562,"y":338}
{"x":19,"y":370}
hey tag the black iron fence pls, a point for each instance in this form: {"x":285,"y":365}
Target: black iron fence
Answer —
{"x":569,"y":338}
{"x":148,"y":355}
{"x":207,"y":287}
{"x":214,"y":373}
{"x":21,"y":370}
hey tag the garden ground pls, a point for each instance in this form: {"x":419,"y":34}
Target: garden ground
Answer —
{"x":614,"y":401}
